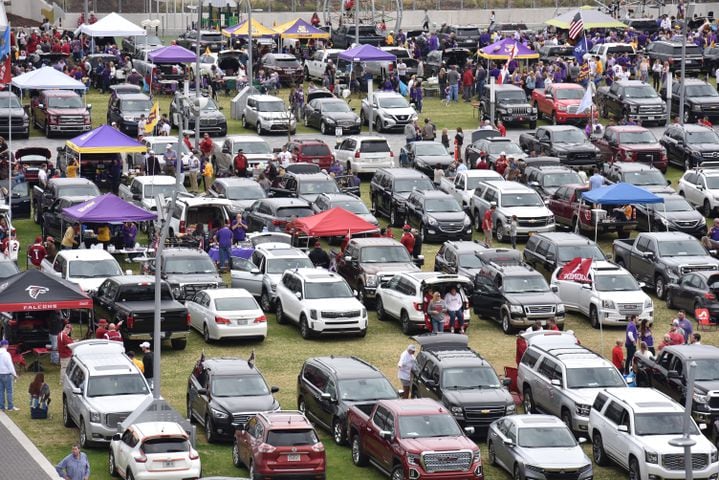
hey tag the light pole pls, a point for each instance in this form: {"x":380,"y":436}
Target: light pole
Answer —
{"x":197,"y":66}
{"x":250,"y":78}
{"x":685,"y":441}
{"x":683,"y":70}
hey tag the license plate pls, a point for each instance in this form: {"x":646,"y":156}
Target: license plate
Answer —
{"x":338,"y":131}
{"x":315,"y":160}
{"x":521,"y":118}
{"x":651,"y":118}
{"x":242,"y":322}
{"x":170,"y":464}
{"x":293,"y":458}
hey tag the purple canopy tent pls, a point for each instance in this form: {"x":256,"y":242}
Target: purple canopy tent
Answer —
{"x":300,"y":29}
{"x":108,"y":208}
{"x":501,"y":50}
{"x":104,"y":139}
{"x":172,"y":54}
{"x":366,"y":53}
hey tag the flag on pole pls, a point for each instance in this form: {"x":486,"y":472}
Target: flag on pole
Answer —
{"x":153,"y":118}
{"x":5,"y":45}
{"x":580,"y":49}
{"x":576,"y":27}
{"x":586,"y":102}
{"x":512,"y":52}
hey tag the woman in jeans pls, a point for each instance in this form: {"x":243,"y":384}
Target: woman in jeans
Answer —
{"x":436,"y":310}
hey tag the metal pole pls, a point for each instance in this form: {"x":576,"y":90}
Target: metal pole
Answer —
{"x":684,"y":63}
{"x":198,"y":73}
{"x":250,"y":78}
{"x":685,"y":440}
{"x":86,"y":11}
{"x":9,"y":157}
{"x":357,"y":21}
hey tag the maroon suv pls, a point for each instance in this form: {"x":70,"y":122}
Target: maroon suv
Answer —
{"x":311,"y":151}
{"x":287,"y":67}
{"x":280,"y":444}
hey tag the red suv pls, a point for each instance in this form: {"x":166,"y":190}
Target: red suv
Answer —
{"x":311,"y":151}
{"x":280,"y":444}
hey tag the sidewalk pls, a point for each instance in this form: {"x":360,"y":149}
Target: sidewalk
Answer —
{"x":19,"y":457}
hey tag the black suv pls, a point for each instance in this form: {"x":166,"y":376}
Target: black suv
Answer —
{"x":468,"y":258}
{"x":547,"y":175}
{"x":125,"y":110}
{"x":511,"y":105}
{"x":689,"y":145}
{"x":187,"y":270}
{"x":547,"y":251}
{"x":671,"y":52}
{"x":328,"y":386}
{"x":438,"y":216}
{"x":223,"y":393}
{"x":275,"y":213}
{"x":448,"y":371}
{"x":516,"y":296}
{"x":390,"y":188}
{"x":465,"y":36}
{"x":306,"y":186}
{"x":700,"y":100}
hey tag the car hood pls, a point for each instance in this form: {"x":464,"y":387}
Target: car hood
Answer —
{"x":369,"y":218}
{"x":645,"y":101}
{"x":658,"y":188}
{"x":704,"y":147}
{"x":584,"y":396}
{"x":438,"y":444}
{"x":533,"y":298}
{"x":569,"y":458}
{"x":212,"y":114}
{"x":575,"y":147}
{"x":339,"y":304}
{"x":518,"y":156}
{"x":402,"y":195}
{"x":399,"y":111}
{"x":690,"y":260}
{"x":375,"y":268}
{"x":255,"y":403}
{"x":660,"y":443}
{"x":681,"y":216}
{"x":259,"y":157}
{"x":116,"y":404}
{"x":641,"y":147}
{"x":706,"y":385}
{"x":273,"y":115}
{"x":631,"y":296}
{"x":448,"y":216}
{"x":241,"y":204}
{"x":477,"y":397}
{"x":13,"y":112}
{"x":88,"y":284}
{"x":194,"y":278}
{"x":340,"y":116}
{"x":703,"y":100}
{"x":433,"y":160}
{"x":526,"y":212}
{"x":66,"y":111}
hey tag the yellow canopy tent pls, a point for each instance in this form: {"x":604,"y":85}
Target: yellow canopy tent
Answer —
{"x":591,"y":17}
{"x":241,"y":30}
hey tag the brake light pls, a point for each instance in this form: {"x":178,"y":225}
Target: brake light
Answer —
{"x":710,"y":296}
{"x":12,"y":323}
{"x":588,"y":215}
{"x":261,"y":319}
{"x":357,"y":154}
{"x":193,"y":454}
{"x":222,"y":321}
{"x":130,"y":321}
{"x":188,"y":319}
{"x":466,"y":305}
{"x":318,"y":447}
{"x":265,"y":448}
{"x":391,"y":154}
{"x":417,"y":306}
{"x":182,"y":226}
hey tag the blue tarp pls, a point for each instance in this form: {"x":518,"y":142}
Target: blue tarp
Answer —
{"x":620,"y":194}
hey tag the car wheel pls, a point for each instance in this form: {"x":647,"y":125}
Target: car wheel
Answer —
{"x":477,"y":221}
{"x":236,"y":460}
{"x":130,"y":476}
{"x":111,"y":464}
{"x":517,"y":475}
{"x":305,"y":330}
{"x":306,"y":121}
{"x":348,"y":169}
{"x":178,"y":343}
{"x":660,"y":286}
{"x":405,"y":323}
{"x":394,"y":219}
{"x":361,"y":296}
{"x":506,"y":323}
{"x":302,"y":406}
{"x":593,"y":317}
{"x":379,"y":307}
{"x":244,"y":122}
{"x":189,"y":410}
{"x":251,"y":470}
{"x":206,"y":333}
{"x":707,"y":210}
{"x":670,"y":299}
{"x":280,"y":314}
{"x":307,"y":73}
{"x":363,"y":120}
{"x":598,"y":454}
{"x":265,"y":301}
{"x":567,"y":419}
{"x":528,"y":401}
{"x":209,"y":430}
{"x":338,"y":432}
{"x":258,"y":128}
{"x":398,"y":473}
{"x":84,"y":441}
{"x":358,"y":456}
{"x":66,"y":418}
{"x":47,"y":130}
{"x":491,"y":454}
{"x":634,"y":472}
{"x":603,"y":110}
{"x":620,"y":263}
{"x":554,"y":118}
{"x":323,"y":128}
{"x":499,"y":232}
{"x":36,"y":213}
{"x":687,"y":116}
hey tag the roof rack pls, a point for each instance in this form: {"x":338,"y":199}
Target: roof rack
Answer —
{"x":707,"y":165}
{"x":266,"y":415}
{"x":455,"y":353}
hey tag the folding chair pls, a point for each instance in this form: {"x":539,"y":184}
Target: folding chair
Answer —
{"x":704,"y":321}
{"x":18,"y":358}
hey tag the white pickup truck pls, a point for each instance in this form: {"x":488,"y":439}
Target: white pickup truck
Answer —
{"x":316,"y":65}
{"x":142,"y":190}
{"x":462,"y":185}
{"x":87,"y":268}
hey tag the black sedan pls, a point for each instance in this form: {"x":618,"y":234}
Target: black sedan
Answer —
{"x":674,"y":214}
{"x":695,"y":290}
{"x":426,"y":155}
{"x":328,"y":114}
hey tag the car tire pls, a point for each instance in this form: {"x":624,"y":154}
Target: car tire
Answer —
{"x":397,"y":473}
{"x":528,"y":401}
{"x":491,"y":454}
{"x":258,"y":128}
{"x":280,"y":313}
{"x":517,"y":474}
{"x":306,"y":121}
{"x":477,"y":221}
{"x":598,"y":454}
{"x":554,"y":118}
{"x":251,"y":470}
{"x":84,"y":441}
{"x":707,"y":209}
{"x":305,"y":330}
{"x":302,"y":406}
{"x":506,"y":323}
{"x":189,"y":410}
{"x":499,"y":232}
{"x":660,"y":287}
{"x":209,"y":427}
{"x":178,"y":343}
{"x":567,"y":419}
{"x":363,"y":120}
{"x":394,"y":219}
{"x":112,"y":470}
{"x":236,"y":460}
{"x":379,"y":308}
{"x":66,"y":418}
{"x":130,"y":475}
{"x":361,"y":296}
{"x":323,"y":128}
{"x":670,"y":299}
{"x":405,"y":324}
{"x":244,"y":122}
{"x":593,"y":316}
{"x":47,"y":130}
{"x":359,"y":458}
{"x":206,"y":334}
{"x":635,"y":472}
{"x":265,"y":301}
{"x":338,"y":432}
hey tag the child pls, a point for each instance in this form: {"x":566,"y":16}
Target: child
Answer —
{"x":618,"y":355}
{"x":513,"y":231}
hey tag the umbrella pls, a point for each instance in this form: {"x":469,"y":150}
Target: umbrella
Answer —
{"x":590,"y":17}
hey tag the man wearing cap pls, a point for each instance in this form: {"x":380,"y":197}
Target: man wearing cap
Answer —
{"x":487,"y":222}
{"x":407,"y":239}
{"x":134,"y":78}
{"x":147,"y":359}
{"x":63,"y":346}
{"x":7,"y":377}
{"x":319,"y":257}
{"x":101,"y":331}
{"x":36,"y":252}
{"x":141,"y":124}
{"x":240,"y":164}
{"x":676,"y":334}
{"x":404,"y":369}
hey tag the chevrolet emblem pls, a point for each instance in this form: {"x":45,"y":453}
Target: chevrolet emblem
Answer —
{"x":484,"y":412}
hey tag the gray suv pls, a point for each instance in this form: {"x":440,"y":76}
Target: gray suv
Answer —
{"x":101,"y":388}
{"x":266,"y":113}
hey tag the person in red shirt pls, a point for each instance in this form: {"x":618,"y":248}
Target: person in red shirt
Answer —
{"x":388,"y":232}
{"x":101,"y":329}
{"x":206,"y":146}
{"x":500,"y":165}
{"x":552,"y":325}
{"x":487,"y":225}
{"x":618,"y":355}
{"x":240,"y":164}
{"x":36,"y":252}
{"x":63,"y":349}
{"x":705,"y":121}
{"x":467,"y":84}
{"x":675,"y":337}
{"x":112,"y":333}
{"x":501,"y":128}
{"x":482,"y":163}
{"x":407,"y":239}
{"x":186,"y":140}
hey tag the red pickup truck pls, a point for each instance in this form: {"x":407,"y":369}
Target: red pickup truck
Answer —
{"x":416,"y":438}
{"x":565,"y":204}
{"x":559,"y":102}
{"x":631,"y":143}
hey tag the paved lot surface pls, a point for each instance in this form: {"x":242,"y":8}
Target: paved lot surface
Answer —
{"x":19,"y":458}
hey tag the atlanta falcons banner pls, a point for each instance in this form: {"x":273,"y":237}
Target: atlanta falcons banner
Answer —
{"x":576,"y":270}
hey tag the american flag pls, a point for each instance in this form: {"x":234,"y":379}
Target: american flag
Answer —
{"x":576,"y":27}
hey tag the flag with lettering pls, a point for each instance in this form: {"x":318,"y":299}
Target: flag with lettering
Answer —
{"x":153,"y":118}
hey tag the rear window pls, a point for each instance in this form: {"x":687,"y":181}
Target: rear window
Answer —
{"x":316,"y":150}
{"x":291,"y":438}
{"x":241,"y":303}
{"x":165,"y":445}
{"x":621,"y":49}
{"x":691,"y":50}
{"x":377,"y":146}
{"x":288,"y":212}
{"x":204,"y":214}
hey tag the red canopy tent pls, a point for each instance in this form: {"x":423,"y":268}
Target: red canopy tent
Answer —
{"x":334,"y":222}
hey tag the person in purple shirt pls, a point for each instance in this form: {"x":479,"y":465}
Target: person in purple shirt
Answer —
{"x":630,"y":342}
{"x":711,"y":241}
{"x":224,"y":238}
{"x":239,"y":229}
{"x":685,"y":325}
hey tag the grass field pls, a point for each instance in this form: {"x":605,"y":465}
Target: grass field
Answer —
{"x":281,"y":355}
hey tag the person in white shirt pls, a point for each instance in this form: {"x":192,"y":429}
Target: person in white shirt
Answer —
{"x":455,"y":308}
{"x":402,"y":69}
{"x":284,"y":157}
{"x":404,"y":369}
{"x":42,"y":176}
{"x":8,"y":376}
{"x":141,"y":126}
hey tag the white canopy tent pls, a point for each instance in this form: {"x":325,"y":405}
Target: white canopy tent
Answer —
{"x":113,"y":25}
{"x":46,"y":78}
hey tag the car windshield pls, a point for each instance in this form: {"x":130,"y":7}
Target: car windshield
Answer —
{"x":65,"y":102}
{"x":374,"y":146}
{"x":207,"y":59}
{"x":165,"y":445}
{"x":567,"y":253}
{"x":469,"y":378}
{"x":271,"y":107}
{"x":707,"y":370}
{"x":210,"y":106}
{"x":672,"y":204}
{"x":521,"y":200}
{"x":513,"y":96}
{"x":469,"y":260}
{"x":151,"y":190}
{"x":701,"y":91}
{"x":279,"y":265}
{"x":681,"y":248}
{"x":357,"y":207}
{"x":664,"y":423}
{"x":525,"y":284}
{"x":298,"y":212}
{"x":8,"y":269}
{"x":211,"y":37}
{"x":236,"y":303}
{"x":364,"y":389}
{"x":641,"y":91}
{"x":615,"y":283}
{"x":287,"y":62}
{"x":336,"y":107}
{"x":89,"y":190}
{"x":238,"y":386}
{"x":245,"y":192}
{"x":136,"y":105}
{"x":510,"y":148}
{"x":569,"y":136}
{"x":143,"y":293}
{"x":10,"y":102}
{"x":186,"y":265}
{"x":545,"y":437}
{"x":702,"y":136}
{"x":633,"y":138}
{"x":320,"y":186}
{"x":393,"y":102}
{"x":568,"y":93}
{"x":594,"y":377}
{"x":409,"y":184}
{"x":251,"y":148}
{"x":316,"y":290}
{"x":473,"y":182}
{"x":558,"y":179}
{"x":645,"y":178}
{"x":94,"y":268}
{"x":112,"y":385}
{"x":291,"y":438}
{"x":385,"y":254}
{"x":430,"y":149}
{"x":424,"y":426}
{"x":448,"y":204}
{"x":466,"y":31}
{"x":319,"y":150}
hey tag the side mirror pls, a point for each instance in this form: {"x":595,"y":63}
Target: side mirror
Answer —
{"x":255,"y":271}
{"x":348,"y":258}
{"x":551,"y":258}
{"x":508,"y":442}
{"x":226,"y":150}
{"x":430,"y":383}
{"x":506,"y":382}
{"x":641,"y":284}
{"x":555,"y":289}
{"x":77,"y":391}
{"x":556,"y":382}
{"x":586,"y":286}
{"x":41,"y":106}
{"x":327,"y":397}
{"x":622,"y":428}
{"x":469,"y":430}
{"x":202,"y":391}
{"x":298,"y":295}
{"x":89,"y":106}
{"x":137,"y":196}
{"x":355,"y":293}
{"x":673,"y":374}
{"x":533,"y":184}
{"x":116,"y":437}
{"x":274,"y":389}
{"x":385,"y":435}
{"x":582,"y":440}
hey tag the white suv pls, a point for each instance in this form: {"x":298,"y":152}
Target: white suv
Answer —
{"x":267,"y":113}
{"x":402,"y":297}
{"x":633,"y":427}
{"x":700,"y":187}
{"x":388,"y":110}
{"x":364,"y":154}
{"x":320,"y":302}
{"x":609,"y":298}
{"x":193,"y":210}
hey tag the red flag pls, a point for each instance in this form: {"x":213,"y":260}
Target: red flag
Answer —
{"x":502,"y":73}
{"x":576,"y":270}
{"x":6,"y":71}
